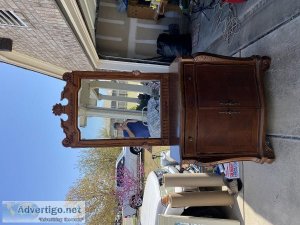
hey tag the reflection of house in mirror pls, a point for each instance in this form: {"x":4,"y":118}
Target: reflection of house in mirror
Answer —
{"x":125,"y":100}
{"x":110,"y":101}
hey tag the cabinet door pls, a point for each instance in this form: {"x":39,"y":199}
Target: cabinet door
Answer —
{"x":228,"y":131}
{"x":190,"y":119}
{"x":226,"y":85}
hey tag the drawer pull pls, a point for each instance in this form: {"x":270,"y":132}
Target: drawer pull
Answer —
{"x":189,"y":78}
{"x":190,"y":139}
{"x":230,"y":112}
{"x":229,"y":102}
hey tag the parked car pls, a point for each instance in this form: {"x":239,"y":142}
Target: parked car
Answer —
{"x":136,"y":150}
{"x":129,"y":181}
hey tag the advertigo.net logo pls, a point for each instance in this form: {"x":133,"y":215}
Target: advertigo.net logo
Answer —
{"x":43,"y":211}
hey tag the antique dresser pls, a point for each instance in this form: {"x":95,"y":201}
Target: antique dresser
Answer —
{"x":211,"y":108}
{"x":217,"y":108}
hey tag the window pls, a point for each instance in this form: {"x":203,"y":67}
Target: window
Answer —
{"x":9,"y":18}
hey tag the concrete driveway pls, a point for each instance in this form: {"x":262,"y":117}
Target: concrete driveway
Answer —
{"x":270,"y":194}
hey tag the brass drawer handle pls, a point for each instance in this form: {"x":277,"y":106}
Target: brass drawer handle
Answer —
{"x":229,"y":102}
{"x":230,"y":112}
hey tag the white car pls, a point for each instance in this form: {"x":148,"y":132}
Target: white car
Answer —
{"x":128,"y":169}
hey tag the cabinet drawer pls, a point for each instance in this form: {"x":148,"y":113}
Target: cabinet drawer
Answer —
{"x":226,"y":86}
{"x":230,"y":130}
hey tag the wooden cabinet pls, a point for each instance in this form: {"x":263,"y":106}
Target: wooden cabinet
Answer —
{"x":212,"y":108}
{"x":222,"y":115}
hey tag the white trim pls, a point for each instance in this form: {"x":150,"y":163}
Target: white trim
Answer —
{"x":94,"y":3}
{"x":131,"y":38}
{"x":130,"y":66}
{"x":148,"y":42}
{"x":103,"y":20}
{"x":107,"y":4}
{"x":73,"y":15}
{"x":152,"y":26}
{"x":108,"y":38}
{"x":30,"y":63}
{"x":89,"y":12}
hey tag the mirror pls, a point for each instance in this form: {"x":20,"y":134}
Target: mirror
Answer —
{"x":115,"y":109}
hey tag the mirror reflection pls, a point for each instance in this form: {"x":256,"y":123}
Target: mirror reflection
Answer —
{"x":114,"y":109}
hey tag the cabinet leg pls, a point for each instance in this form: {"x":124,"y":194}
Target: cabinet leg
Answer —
{"x":265,"y":63}
{"x":268,"y":152}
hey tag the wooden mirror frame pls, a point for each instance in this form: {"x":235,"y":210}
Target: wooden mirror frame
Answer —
{"x":70,"y":92}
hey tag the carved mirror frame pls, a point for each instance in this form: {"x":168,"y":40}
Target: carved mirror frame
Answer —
{"x":70,"y":92}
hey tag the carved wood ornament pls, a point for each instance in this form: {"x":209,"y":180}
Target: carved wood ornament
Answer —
{"x":69,"y":126}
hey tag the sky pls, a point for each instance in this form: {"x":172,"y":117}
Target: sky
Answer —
{"x":34,"y":166}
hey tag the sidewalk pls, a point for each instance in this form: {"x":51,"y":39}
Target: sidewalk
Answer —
{"x":271,"y":191}
{"x":257,"y":18}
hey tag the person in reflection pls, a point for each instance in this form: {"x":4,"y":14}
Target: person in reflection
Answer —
{"x":133,"y":128}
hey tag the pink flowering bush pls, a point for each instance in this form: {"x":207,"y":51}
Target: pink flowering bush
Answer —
{"x":128,"y":183}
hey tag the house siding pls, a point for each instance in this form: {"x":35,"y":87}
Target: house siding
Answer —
{"x":47,"y":36}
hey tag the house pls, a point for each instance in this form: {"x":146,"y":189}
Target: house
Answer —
{"x":56,"y":36}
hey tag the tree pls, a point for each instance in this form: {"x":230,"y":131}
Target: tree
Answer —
{"x":104,"y":133}
{"x":96,"y":187}
{"x":129,"y":183}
